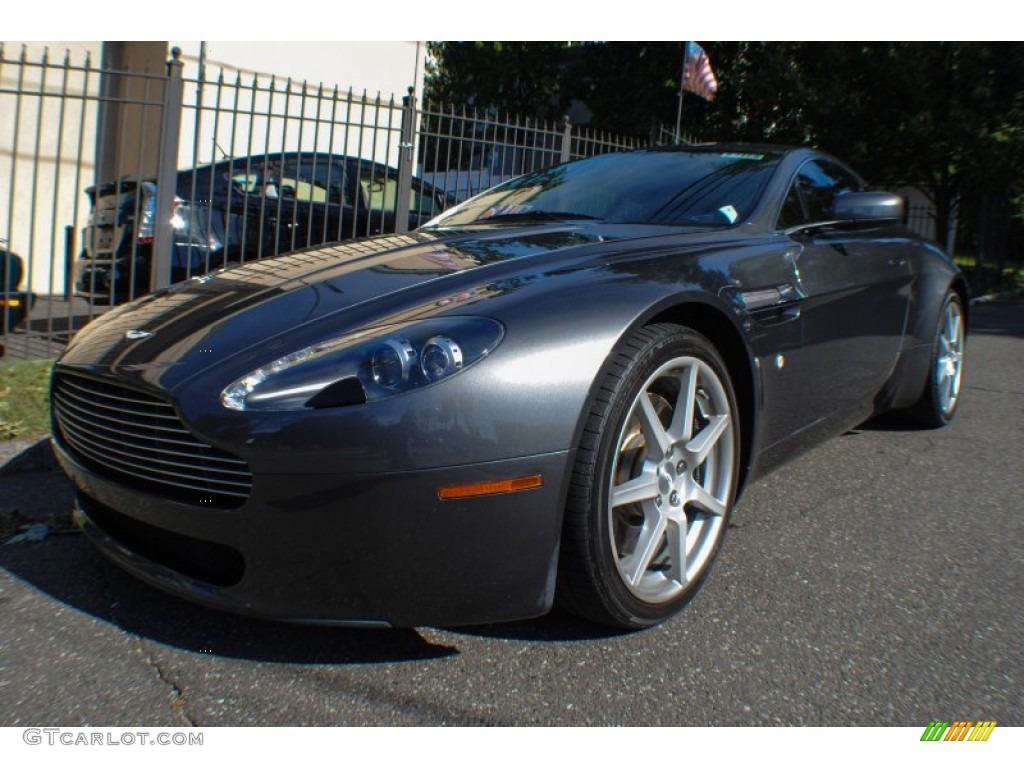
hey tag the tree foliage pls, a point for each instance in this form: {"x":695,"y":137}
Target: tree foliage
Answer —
{"x":945,"y":116}
{"x":510,"y":77}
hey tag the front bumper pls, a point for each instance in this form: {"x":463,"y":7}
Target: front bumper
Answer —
{"x":344,"y":549}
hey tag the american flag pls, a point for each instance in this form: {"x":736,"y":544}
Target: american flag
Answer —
{"x":697,"y":75}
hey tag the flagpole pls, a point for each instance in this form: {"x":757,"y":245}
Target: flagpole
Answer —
{"x":679,"y":113}
{"x":679,"y":117}
{"x":682,"y":92}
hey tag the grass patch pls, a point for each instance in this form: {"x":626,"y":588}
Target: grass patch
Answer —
{"x":24,"y":399}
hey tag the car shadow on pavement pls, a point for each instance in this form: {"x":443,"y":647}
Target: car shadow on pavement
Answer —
{"x":557,"y":627}
{"x":66,"y":569}
{"x":886,"y":422}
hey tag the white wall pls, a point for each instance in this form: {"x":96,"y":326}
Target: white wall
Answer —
{"x":387,"y":67}
{"x":46,"y":159}
{"x":382,"y":71}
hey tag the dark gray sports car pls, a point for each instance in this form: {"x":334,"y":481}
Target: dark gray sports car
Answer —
{"x":553,"y":392}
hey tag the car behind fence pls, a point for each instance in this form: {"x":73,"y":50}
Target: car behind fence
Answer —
{"x":116,"y":181}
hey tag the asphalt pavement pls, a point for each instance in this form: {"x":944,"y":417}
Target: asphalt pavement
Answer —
{"x":875,"y":581}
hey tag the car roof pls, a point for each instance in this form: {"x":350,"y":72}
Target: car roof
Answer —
{"x":728,"y":146}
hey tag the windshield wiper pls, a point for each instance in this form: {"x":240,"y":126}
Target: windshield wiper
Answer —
{"x":535,"y":216}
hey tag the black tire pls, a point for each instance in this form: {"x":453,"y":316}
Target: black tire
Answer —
{"x":627,"y":559}
{"x":941,"y":396}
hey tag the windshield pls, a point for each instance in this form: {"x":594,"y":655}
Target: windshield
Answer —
{"x":680,"y":187}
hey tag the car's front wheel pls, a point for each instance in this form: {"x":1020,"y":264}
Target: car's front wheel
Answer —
{"x":654,"y":480}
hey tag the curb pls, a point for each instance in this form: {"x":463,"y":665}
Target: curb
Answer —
{"x":989,"y":298}
{"x":26,"y":456}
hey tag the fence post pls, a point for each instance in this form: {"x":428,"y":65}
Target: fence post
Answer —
{"x":566,"y":140}
{"x":167,"y":172}
{"x":405,"y":151}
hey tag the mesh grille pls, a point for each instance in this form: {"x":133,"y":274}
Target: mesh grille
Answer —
{"x":137,"y":439}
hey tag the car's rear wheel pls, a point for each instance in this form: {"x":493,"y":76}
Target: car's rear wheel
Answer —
{"x":654,"y":480}
{"x":941,"y":395}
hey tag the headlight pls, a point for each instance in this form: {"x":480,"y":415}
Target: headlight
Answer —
{"x":442,"y":357}
{"x":367,"y":365}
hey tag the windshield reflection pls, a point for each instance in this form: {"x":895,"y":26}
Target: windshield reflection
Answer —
{"x":689,"y":187}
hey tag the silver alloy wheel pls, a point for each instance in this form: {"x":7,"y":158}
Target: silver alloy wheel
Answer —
{"x":950,"y":358}
{"x":671,"y":480}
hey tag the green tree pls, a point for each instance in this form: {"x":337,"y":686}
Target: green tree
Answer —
{"x":944,"y":116}
{"x":519,"y":78}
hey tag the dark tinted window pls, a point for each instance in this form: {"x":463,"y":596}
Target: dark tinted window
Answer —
{"x":689,"y":188}
{"x":320,"y":181}
{"x":792,"y":213}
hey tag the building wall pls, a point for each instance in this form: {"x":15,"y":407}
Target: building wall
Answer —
{"x":389,"y":68}
{"x":47,"y":153}
{"x":377,"y":74}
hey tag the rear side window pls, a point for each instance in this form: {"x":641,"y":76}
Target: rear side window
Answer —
{"x":380,"y":191}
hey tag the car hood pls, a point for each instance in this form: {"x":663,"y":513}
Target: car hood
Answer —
{"x":278,"y":303}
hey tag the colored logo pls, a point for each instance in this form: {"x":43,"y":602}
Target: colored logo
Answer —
{"x":960,"y":730}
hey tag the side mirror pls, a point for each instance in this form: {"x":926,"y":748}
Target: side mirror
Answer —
{"x":868,"y":206}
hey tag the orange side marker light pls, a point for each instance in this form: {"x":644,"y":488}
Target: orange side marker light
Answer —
{"x":489,"y":487}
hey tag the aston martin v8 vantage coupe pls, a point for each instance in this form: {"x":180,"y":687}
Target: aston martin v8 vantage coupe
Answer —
{"x":552,"y":393}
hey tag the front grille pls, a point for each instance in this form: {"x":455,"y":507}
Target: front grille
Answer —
{"x":137,"y":439}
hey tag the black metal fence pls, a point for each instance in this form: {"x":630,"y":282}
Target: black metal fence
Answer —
{"x":465,"y":152}
{"x":117,"y":181}
{"x":920,"y":219}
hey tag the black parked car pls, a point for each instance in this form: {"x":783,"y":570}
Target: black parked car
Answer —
{"x":14,"y":304}
{"x":555,"y":391}
{"x":239,"y":210}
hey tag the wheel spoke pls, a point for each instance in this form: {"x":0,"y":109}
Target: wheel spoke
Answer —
{"x":954,"y":324}
{"x":700,"y":446}
{"x":705,"y":502}
{"x":658,"y":443}
{"x":948,"y":385}
{"x":675,"y":534}
{"x":646,"y":547}
{"x":950,"y":336}
{"x":682,"y":415}
{"x":640,"y":488}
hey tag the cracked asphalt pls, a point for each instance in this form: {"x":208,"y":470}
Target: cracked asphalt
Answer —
{"x":875,"y":581}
